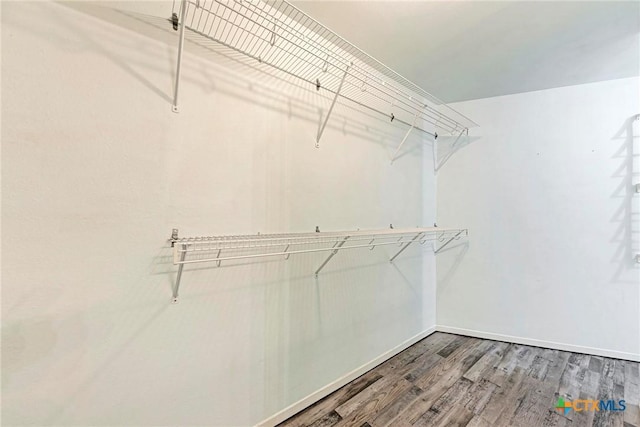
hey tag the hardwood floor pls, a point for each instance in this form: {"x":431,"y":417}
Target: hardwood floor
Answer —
{"x":452,"y":380}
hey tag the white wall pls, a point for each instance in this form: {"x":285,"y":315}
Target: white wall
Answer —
{"x":545,"y":187}
{"x":96,"y":170}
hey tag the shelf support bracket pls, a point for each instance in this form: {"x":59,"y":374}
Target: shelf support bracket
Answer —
{"x":179,"y":275}
{"x":406,"y":245}
{"x":333,"y":103}
{"x":336,"y":247}
{"x":406,"y":135}
{"x":452,"y":149}
{"x":449,"y":241}
{"x":183,"y":13}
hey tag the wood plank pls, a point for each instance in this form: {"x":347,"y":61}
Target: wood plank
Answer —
{"x":632,"y":393}
{"x":478,"y":396}
{"x":554,"y":372}
{"x":605,"y":390}
{"x":374,"y":404}
{"x":554,"y":419}
{"x":456,"y":416}
{"x":573,"y":378}
{"x":617,"y":417}
{"x":487,"y":362}
{"x":516,"y":356}
{"x":391,"y":412}
{"x":453,"y":346}
{"x":328,"y":420}
{"x":329,"y":403}
{"x":501,"y":405}
{"x":538,"y":368}
{"x":445,"y":403}
{"x":424,"y":366}
{"x":478,"y":421}
{"x":442,"y":376}
{"x":537,"y":399}
{"x":589,"y":391}
{"x":373,"y":399}
{"x":429,"y":345}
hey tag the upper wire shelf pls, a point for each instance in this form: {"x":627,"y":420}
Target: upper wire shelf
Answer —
{"x":202,"y":249}
{"x":279,"y":35}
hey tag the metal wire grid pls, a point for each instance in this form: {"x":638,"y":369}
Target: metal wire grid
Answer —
{"x":278,"y":34}
{"x":221,"y":248}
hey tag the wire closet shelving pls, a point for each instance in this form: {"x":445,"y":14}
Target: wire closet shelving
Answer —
{"x":276,"y":34}
{"x":216,"y":249}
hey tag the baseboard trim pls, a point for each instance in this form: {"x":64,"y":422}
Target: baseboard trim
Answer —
{"x":342,"y":381}
{"x":540,"y":343}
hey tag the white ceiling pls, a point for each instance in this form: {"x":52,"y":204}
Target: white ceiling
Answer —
{"x":460,"y":50}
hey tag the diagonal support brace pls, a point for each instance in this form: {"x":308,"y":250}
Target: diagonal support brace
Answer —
{"x":439,"y":166}
{"x":179,"y":275}
{"x":183,"y":11}
{"x":406,"y":135}
{"x":406,"y":245}
{"x":449,"y":241}
{"x":333,"y":103}
{"x":336,"y":246}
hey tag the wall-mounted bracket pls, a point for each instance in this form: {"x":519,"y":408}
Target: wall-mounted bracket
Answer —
{"x":333,"y":103}
{"x":638,"y":258}
{"x":637,"y":186}
{"x":174,"y":21}
{"x":174,"y":236}
{"x":440,"y":164}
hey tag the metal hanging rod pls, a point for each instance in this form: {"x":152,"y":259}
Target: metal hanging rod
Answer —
{"x":278,"y":35}
{"x":207,"y":249}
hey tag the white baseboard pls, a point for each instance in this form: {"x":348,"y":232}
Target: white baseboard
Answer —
{"x":540,"y":343}
{"x":342,"y":381}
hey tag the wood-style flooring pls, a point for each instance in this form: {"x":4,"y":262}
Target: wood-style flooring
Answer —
{"x":452,"y":380}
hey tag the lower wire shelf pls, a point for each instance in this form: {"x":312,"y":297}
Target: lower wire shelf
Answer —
{"x":216,"y":249}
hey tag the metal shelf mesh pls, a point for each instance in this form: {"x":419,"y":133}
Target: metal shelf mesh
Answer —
{"x":278,"y":35}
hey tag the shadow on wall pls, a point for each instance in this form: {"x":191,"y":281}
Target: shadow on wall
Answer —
{"x":627,"y":234}
{"x":228,"y":73}
{"x":449,"y":145}
{"x":460,"y":251}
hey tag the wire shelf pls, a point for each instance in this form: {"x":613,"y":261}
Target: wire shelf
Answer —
{"x":203,"y":249}
{"x":279,"y":35}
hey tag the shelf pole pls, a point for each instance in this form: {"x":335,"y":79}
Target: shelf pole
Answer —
{"x":336,"y":246}
{"x":179,"y":275}
{"x":333,"y":103}
{"x":448,"y":241}
{"x":406,"y":135}
{"x":183,"y":13}
{"x":406,"y":245}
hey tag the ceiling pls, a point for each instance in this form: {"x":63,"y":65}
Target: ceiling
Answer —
{"x":461,"y":50}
